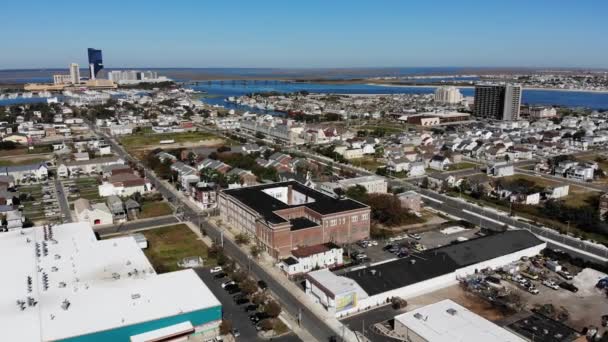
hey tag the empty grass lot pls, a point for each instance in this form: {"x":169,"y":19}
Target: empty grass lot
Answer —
{"x":170,"y":244}
{"x":154,"y":209}
{"x":461,"y":166}
{"x":141,"y":140}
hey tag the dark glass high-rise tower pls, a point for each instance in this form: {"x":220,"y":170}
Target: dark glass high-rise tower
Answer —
{"x":95,"y":62}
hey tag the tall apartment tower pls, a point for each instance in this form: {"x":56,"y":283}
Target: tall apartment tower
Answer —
{"x":497,"y":101}
{"x":448,"y":95}
{"x":75,"y":73}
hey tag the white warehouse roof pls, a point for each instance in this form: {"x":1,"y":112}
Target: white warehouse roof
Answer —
{"x":92,"y":285}
{"x":447,"y":321}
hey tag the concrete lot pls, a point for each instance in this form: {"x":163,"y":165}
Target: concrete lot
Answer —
{"x":585,"y":307}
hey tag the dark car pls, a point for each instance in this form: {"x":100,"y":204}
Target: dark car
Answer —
{"x":220,"y":275}
{"x":262,"y":284}
{"x":387,"y":247}
{"x":241,"y":301}
{"x":258,"y":316}
{"x":568,"y":286}
{"x":493,"y":279}
{"x":251,"y":307}
{"x":231,"y":286}
{"x":235,"y":332}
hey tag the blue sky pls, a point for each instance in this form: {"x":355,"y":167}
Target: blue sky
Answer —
{"x":198,"y":33}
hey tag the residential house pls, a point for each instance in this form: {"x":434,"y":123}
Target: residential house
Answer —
{"x":500,"y":170}
{"x":94,"y":214}
{"x":439,"y":163}
{"x":410,"y":200}
{"x":124,"y":184}
{"x":117,"y":208}
{"x":25,"y":173}
{"x":308,"y":258}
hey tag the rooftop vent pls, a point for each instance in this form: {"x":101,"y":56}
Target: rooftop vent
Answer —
{"x":418,"y":315}
{"x":452,"y":311}
{"x":135,"y":296}
{"x":65,"y":305}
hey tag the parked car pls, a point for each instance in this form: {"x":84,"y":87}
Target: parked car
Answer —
{"x":235,"y":332}
{"x":216,"y":269}
{"x":568,"y":286}
{"x":262,"y":285}
{"x":533,"y":290}
{"x":388,"y":247}
{"x":251,"y":307}
{"x":234,"y":289}
{"x":565,"y":274}
{"x":550,"y":284}
{"x":230,"y":282}
{"x":414,"y":236}
{"x":419,"y":247}
{"x":220,"y":275}
{"x":241,"y":301}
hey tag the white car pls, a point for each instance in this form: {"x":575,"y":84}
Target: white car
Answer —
{"x":373,"y":243}
{"x":550,"y":284}
{"x":231,"y":282}
{"x":216,"y":269}
{"x":415,"y":236}
{"x":533,"y":290}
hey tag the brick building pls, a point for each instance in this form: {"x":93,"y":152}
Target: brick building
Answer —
{"x":287,"y":215}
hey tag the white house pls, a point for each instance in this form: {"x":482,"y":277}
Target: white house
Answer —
{"x":306,"y":259}
{"x":500,"y":170}
{"x":417,"y":169}
{"x":439,"y":163}
{"x":94,"y":214}
{"x":558,"y":191}
{"x":124,"y":184}
{"x":31,"y":172}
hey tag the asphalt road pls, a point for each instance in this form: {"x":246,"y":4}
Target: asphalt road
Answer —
{"x":63,"y":202}
{"x":136,"y":225}
{"x":309,"y":321}
{"x":234,"y":313}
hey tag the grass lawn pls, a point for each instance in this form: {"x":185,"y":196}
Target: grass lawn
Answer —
{"x":154,"y":209}
{"x":461,"y":166}
{"x":538,"y":181}
{"x":168,"y":245}
{"x":368,"y":163}
{"x":22,"y":162}
{"x":143,"y":140}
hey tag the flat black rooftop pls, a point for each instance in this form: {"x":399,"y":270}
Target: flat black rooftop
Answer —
{"x":440,"y":261}
{"x":301,"y":223}
{"x":539,"y":328}
{"x":266,"y":205}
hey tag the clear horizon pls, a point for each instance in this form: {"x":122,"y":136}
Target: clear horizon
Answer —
{"x":311,"y":35}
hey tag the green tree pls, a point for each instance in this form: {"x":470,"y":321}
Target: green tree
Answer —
{"x":357,"y":192}
{"x":242,"y":239}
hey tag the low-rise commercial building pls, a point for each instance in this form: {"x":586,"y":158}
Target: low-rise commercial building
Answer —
{"x":428,"y":271}
{"x":447,"y":321}
{"x":61,"y":284}
{"x":287,"y":215}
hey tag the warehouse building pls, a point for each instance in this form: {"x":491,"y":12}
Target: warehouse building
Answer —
{"x":447,"y":321}
{"x":424,"y":272}
{"x":61,"y":284}
{"x":287,"y":215}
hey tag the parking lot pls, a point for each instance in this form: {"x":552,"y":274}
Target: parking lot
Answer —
{"x":235,"y":313}
{"x":82,"y":187}
{"x":41,"y":205}
{"x":380,"y":250}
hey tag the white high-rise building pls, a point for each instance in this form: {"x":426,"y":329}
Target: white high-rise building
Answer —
{"x":448,"y":95}
{"x":75,"y":73}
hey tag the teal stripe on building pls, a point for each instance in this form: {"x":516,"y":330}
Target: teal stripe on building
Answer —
{"x":120,"y":334}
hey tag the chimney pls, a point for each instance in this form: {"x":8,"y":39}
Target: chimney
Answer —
{"x":289,"y":192}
